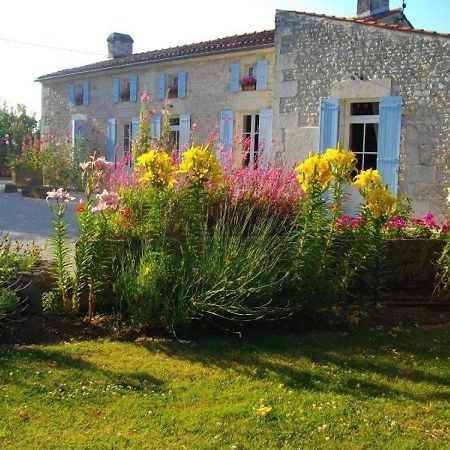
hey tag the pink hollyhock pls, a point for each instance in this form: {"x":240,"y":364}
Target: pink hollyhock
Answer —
{"x":145,"y":97}
{"x":357,"y":221}
{"x":397,"y":223}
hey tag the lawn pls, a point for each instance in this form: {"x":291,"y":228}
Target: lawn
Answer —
{"x":373,"y":389}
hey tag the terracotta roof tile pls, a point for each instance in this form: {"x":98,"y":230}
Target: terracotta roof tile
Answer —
{"x":223,"y":45}
{"x":370,"y":22}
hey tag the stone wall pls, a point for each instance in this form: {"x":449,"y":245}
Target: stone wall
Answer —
{"x":207,"y":93}
{"x":317,"y":57}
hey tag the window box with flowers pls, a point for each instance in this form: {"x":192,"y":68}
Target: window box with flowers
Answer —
{"x":248,"y":83}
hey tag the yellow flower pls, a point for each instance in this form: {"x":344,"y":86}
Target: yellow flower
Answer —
{"x":314,"y":172}
{"x":368,"y":178}
{"x":380,"y":201}
{"x":342,"y":162}
{"x":159,"y":170}
{"x":200,"y":165}
{"x":264,"y":410}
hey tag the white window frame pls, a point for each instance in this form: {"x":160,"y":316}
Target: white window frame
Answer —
{"x":175,"y":129}
{"x":130,"y":137}
{"x":253,"y":132}
{"x":368,"y":119}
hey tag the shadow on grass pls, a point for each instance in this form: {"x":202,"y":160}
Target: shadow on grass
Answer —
{"x":364,"y":365}
{"x":71,"y":367}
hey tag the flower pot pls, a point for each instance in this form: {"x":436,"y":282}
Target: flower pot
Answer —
{"x":27,"y":177}
{"x":249,"y":87}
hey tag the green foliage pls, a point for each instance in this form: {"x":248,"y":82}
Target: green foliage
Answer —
{"x":9,"y":304}
{"x":15,"y":125}
{"x":443,"y":273}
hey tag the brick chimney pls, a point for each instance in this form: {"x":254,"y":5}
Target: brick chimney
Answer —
{"x":119,"y":45}
{"x":371,"y":7}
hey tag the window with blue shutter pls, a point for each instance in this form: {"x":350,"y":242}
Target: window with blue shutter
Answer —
{"x":111,"y":140}
{"x":156,"y":127}
{"x":389,"y":140}
{"x":235,"y":77}
{"x":185,"y":131}
{"x":86,"y":93}
{"x":181,"y":84}
{"x":161,"y":88}
{"x":261,"y":75}
{"x":265,"y":135}
{"x":134,"y":127}
{"x":71,"y":93}
{"x":116,"y":90}
{"x":226,"y":130}
{"x":133,"y":88}
{"x":328,"y":123}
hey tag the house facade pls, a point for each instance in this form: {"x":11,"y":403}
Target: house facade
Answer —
{"x":372,"y":82}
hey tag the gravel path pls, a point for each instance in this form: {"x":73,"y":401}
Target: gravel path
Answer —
{"x":29,"y":220}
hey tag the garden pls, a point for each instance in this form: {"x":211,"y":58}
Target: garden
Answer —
{"x":259,"y":312}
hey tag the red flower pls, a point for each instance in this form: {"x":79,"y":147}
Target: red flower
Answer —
{"x":126,"y":213}
{"x":79,"y":208}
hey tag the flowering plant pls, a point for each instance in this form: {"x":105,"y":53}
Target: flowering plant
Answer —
{"x":200,"y":166}
{"x":248,"y":80}
{"x":158,"y":168}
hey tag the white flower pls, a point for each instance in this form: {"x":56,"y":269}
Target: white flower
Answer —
{"x":60,"y":195}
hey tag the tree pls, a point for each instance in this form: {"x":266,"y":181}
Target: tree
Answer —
{"x":15,"y":124}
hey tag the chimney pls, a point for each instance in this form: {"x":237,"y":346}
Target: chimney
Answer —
{"x":119,"y":45}
{"x":368,"y":8}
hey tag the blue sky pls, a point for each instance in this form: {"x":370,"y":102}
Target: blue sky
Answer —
{"x":85,"y":24}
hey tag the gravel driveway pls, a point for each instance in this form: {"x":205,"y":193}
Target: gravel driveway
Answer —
{"x":29,"y":220}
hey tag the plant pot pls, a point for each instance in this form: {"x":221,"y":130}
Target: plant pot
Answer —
{"x":249,"y":87}
{"x":27,"y":177}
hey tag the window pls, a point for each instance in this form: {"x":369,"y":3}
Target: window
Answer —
{"x":363,"y":120}
{"x":250,"y":140}
{"x":125,"y":90}
{"x":248,"y":80}
{"x":79,"y":95}
{"x":174,"y":133}
{"x":172,"y":86}
{"x":127,"y":138}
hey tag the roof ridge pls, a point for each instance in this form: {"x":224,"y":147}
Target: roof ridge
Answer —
{"x":373,"y":23}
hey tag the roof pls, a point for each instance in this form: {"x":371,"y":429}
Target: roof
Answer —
{"x":370,"y":21}
{"x":228,"y":44}
{"x":385,"y":15}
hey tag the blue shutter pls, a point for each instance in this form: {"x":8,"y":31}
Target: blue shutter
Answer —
{"x":185,"y":130}
{"x":265,"y":135}
{"x":389,"y":133}
{"x":134,"y":127}
{"x":71,"y":92}
{"x":235,"y":75}
{"x":182,"y":84}
{"x":116,"y":90}
{"x":226,"y":130}
{"x":86,"y":92}
{"x":161,"y":86}
{"x":79,"y":131}
{"x":111,"y":140}
{"x":133,"y":88}
{"x":261,"y":75}
{"x":328,"y":123}
{"x":156,"y":126}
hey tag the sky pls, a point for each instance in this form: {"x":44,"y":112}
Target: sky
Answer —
{"x":84,"y":25}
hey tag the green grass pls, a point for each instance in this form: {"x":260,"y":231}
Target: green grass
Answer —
{"x":374,"y":389}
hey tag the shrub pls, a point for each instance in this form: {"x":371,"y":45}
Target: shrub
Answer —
{"x":9,"y":304}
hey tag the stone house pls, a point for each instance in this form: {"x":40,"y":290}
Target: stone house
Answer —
{"x":371,"y":82}
{"x":100,"y":101}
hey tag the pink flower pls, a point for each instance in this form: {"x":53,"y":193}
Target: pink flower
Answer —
{"x":396,"y":222}
{"x":60,"y":195}
{"x":145,"y":97}
{"x":343,"y":222}
{"x":106,"y":200}
{"x":357,"y":221}
{"x":194,"y":127}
